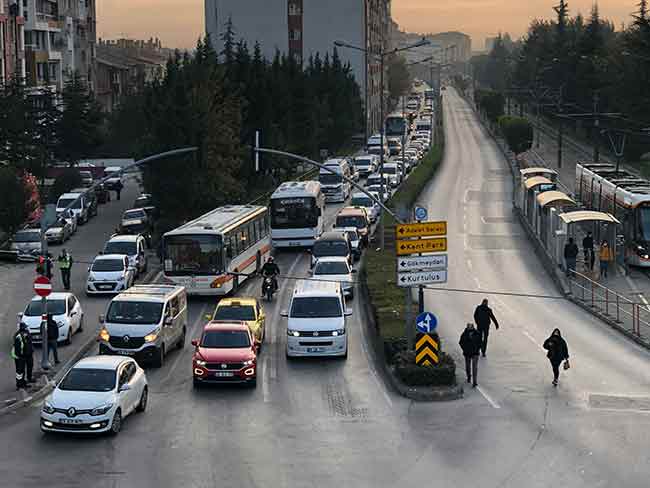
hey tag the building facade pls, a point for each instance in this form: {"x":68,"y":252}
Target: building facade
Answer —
{"x":12,"y":41}
{"x":302,"y":28}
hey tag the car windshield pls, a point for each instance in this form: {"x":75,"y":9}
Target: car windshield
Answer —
{"x":27,"y":237}
{"x":363,"y":162}
{"x":142,"y":202}
{"x":362,"y":202}
{"x":86,"y":174}
{"x":108,"y":265}
{"x":118,"y":247}
{"x":330,"y":179}
{"x":332,"y":268}
{"x":123,"y":312}
{"x":234,"y":312}
{"x":225,"y":339}
{"x":134,"y":214}
{"x":316,"y":307}
{"x":35,"y":308}
{"x":330,"y":248}
{"x":350,"y":221}
{"x":87,"y":379}
{"x":352,"y":235}
{"x":391,"y":170}
{"x":64,"y":202}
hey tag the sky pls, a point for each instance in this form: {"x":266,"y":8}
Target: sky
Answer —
{"x":179,"y":23}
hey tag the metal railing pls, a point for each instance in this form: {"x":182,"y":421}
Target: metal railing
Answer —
{"x":629,"y":314}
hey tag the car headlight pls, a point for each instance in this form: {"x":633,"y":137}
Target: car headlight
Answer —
{"x":60,"y":324}
{"x":48,"y":408}
{"x":293,"y":333}
{"x":200,"y":362}
{"x":104,"y":335}
{"x":249,"y":362}
{"x":338,"y":332}
{"x":91,"y":278}
{"x":101,"y":410}
{"x":151,"y":337}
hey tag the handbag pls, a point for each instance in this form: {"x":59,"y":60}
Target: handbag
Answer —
{"x":567,"y":365}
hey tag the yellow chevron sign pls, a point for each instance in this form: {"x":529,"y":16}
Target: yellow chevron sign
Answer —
{"x":426,"y":351}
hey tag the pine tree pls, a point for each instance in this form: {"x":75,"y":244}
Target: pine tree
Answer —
{"x":228,"y":38}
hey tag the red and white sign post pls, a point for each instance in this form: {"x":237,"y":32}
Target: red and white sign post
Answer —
{"x":43,"y":288}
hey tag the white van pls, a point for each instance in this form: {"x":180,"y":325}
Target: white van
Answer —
{"x":316,"y":324}
{"x":334,"y":186}
{"x":145,"y":322}
{"x":80,"y":207}
{"x":374,"y":146}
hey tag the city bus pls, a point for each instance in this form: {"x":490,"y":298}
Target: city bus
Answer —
{"x":396,"y":125}
{"x":297,"y":212}
{"x":201,"y":255}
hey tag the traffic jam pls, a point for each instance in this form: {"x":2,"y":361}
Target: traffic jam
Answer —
{"x":213,"y":256}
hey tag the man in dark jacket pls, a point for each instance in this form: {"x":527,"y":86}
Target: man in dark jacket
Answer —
{"x":558,"y":351}
{"x":470,"y":343}
{"x":52,"y":337}
{"x":570,"y":256}
{"x":118,"y":188}
{"x":483,"y":316}
{"x":22,"y":353}
{"x":588,"y":249}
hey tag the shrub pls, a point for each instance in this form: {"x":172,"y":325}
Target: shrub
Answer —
{"x":518,"y":133}
{"x":441,"y":374}
{"x":66,"y":181}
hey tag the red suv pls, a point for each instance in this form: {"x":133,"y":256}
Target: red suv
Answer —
{"x":226,"y":353}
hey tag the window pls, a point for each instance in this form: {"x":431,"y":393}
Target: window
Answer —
{"x":295,"y":35}
{"x":253,"y":231}
{"x":72,"y":301}
{"x":294,"y":9}
{"x":174,"y":307}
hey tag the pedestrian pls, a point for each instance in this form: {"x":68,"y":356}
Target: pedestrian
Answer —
{"x":65,"y":265}
{"x":52,"y":338}
{"x":118,"y":188}
{"x":22,"y":353}
{"x":605,"y":256}
{"x":160,"y":249}
{"x":557,"y":352}
{"x":588,"y":250}
{"x":49,"y":265}
{"x":470,"y":343}
{"x":570,"y":256}
{"x":483,"y":316}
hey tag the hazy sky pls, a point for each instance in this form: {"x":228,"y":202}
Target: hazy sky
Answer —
{"x":180,"y":22}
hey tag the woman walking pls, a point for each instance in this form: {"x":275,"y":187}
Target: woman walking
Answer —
{"x":605,"y":257}
{"x":557,"y":352}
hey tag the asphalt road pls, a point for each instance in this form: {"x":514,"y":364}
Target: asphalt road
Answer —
{"x":333,"y":423}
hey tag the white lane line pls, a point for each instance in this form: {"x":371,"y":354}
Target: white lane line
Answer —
{"x":478,"y":283}
{"x":469,"y":264}
{"x":531,"y":338}
{"x":266,"y":391}
{"x":488,"y":398}
{"x":193,"y":332}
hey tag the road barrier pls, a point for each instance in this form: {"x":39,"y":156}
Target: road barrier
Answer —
{"x":633,"y":317}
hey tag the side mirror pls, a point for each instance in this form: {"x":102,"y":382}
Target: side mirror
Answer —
{"x":284,"y":313}
{"x":207,"y":316}
{"x":354,"y":271}
{"x":169,"y":321}
{"x":348,"y":312}
{"x":125,"y":387}
{"x":102,"y":319}
{"x":195,"y":342}
{"x":19,"y":316}
{"x":88,"y":269}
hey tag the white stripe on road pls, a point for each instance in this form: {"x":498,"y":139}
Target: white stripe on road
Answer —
{"x":266,"y":391}
{"x":488,"y":398}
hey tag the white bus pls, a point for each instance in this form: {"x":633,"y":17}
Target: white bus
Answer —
{"x":297,"y":213}
{"x":200,"y":254}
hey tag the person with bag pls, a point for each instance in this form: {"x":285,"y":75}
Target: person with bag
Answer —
{"x":557,"y":352}
{"x":605,"y":256}
{"x":470,"y":343}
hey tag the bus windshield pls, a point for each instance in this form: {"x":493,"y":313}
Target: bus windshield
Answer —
{"x":293,"y":213}
{"x":644,"y":223}
{"x":193,"y":255}
{"x":395,"y":126}
{"x":330,"y":179}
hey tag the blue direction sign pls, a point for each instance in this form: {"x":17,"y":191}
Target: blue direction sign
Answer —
{"x":421,"y":213}
{"x":426,"y":322}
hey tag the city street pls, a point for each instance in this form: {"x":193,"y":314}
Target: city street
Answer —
{"x":334,"y":422}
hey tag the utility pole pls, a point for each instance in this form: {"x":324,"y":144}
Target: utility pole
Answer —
{"x":596,"y":137}
{"x":560,"y":131}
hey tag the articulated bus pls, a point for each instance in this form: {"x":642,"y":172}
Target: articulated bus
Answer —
{"x":600,"y":187}
{"x":200,"y":254}
{"x":297,"y":213}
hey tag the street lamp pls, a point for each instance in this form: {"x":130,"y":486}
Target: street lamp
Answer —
{"x":382,"y":55}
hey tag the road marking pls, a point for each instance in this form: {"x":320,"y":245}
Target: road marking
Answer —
{"x":488,"y":398}
{"x":478,"y":283}
{"x":266,"y":391}
{"x":469,"y":264}
{"x":531,"y":338}
{"x":193,"y":331}
{"x":637,"y":291}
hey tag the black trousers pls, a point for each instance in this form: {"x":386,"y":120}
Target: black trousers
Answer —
{"x":65,"y":276}
{"x":52,"y":346}
{"x":556,"y":368}
{"x":24,"y":368}
{"x":471,"y":368}
{"x":485,"y":332}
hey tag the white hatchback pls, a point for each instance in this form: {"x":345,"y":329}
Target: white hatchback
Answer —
{"x":110,"y":273}
{"x":66,"y":312}
{"x":95,"y":396}
{"x":335,"y":269}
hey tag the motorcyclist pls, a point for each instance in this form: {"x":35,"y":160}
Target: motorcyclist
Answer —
{"x":270,"y":269}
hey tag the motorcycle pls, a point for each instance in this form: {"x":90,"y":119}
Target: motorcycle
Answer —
{"x":268,"y":288}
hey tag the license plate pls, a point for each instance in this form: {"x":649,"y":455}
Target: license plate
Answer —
{"x":36,"y":337}
{"x":124,"y":353}
{"x":315,"y":349}
{"x":294,"y":244}
{"x":70,"y":421}
{"x":224,"y":374}
{"x":104,"y":287}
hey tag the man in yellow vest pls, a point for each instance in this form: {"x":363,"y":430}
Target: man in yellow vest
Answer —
{"x":65,"y":265}
{"x":22,"y":353}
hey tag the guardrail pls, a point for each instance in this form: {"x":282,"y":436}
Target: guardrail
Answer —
{"x":632,"y":316}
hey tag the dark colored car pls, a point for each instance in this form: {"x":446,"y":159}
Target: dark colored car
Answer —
{"x":102,"y":194}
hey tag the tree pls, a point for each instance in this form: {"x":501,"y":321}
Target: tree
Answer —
{"x":399,"y":77}
{"x":491,"y":103}
{"x":13,"y":199}
{"x":66,"y":181}
{"x":518,"y":133}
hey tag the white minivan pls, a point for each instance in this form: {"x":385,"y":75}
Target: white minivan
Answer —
{"x":333,"y":183}
{"x":79,"y":209}
{"x":316,"y":324}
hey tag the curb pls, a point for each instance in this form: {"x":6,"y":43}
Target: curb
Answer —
{"x":425,"y":393}
{"x":81,"y":352}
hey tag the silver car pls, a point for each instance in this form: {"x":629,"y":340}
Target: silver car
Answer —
{"x":27,"y":243}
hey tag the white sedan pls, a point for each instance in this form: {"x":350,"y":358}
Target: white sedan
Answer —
{"x":109,"y":273}
{"x":66,"y":312}
{"x":95,"y":396}
{"x":338,"y":269}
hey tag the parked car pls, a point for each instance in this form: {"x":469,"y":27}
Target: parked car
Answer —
{"x":66,"y":312}
{"x":102,"y":193}
{"x":60,"y":231}
{"x":86,"y":178}
{"x":113,"y":173}
{"x":27,"y":243}
{"x":95,"y":396}
{"x":90,"y":199}
{"x":71,"y":218}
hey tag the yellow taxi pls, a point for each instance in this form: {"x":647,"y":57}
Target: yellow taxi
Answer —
{"x":248,"y":310}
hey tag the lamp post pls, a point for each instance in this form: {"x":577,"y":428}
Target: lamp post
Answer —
{"x":382,"y":55}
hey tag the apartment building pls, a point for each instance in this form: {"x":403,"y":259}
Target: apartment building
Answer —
{"x":59,"y":41}
{"x":12,"y":50}
{"x":302,"y":28}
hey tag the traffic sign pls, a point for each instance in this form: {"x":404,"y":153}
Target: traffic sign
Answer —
{"x":421,"y":229}
{"x":438,"y":244}
{"x":426,"y":322}
{"x":426,"y":351}
{"x":433,"y":262}
{"x":421,"y":213}
{"x":406,"y":280}
{"x":42,"y":286}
